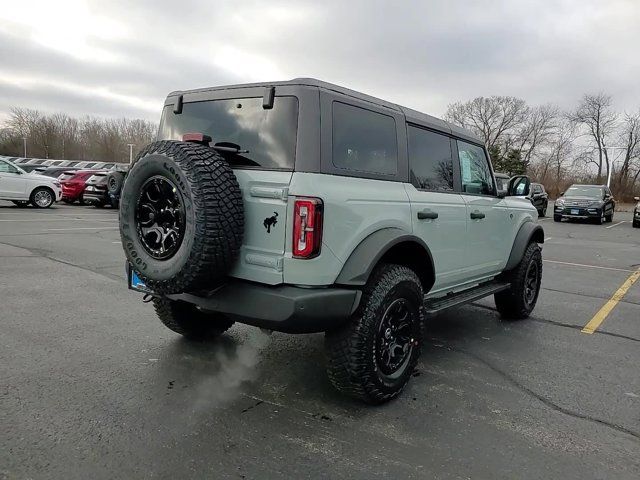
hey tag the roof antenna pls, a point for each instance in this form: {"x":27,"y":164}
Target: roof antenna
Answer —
{"x":267,"y":98}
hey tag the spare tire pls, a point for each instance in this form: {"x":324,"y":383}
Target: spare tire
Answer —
{"x":114,"y":182}
{"x":181,"y":217}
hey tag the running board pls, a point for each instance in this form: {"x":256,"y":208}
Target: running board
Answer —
{"x":437,"y":305}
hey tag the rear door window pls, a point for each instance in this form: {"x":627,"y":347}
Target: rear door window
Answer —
{"x":363,"y":140}
{"x":430,"y":161}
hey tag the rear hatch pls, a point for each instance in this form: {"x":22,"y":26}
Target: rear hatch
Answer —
{"x":97,"y":183}
{"x":266,"y":139}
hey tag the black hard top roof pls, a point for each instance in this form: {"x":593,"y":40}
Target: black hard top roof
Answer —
{"x":412,"y":116}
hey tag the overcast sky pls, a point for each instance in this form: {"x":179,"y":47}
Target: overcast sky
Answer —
{"x":121,"y":57}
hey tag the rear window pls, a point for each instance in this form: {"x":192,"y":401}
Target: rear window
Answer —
{"x":363,"y":140}
{"x":268,"y":135}
{"x":430,"y":160}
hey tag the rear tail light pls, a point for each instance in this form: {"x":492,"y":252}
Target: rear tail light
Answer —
{"x":307,"y":227}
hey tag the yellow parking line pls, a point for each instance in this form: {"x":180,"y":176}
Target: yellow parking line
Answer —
{"x":599,"y":317}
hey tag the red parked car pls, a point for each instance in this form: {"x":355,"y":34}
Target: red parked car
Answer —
{"x":73,"y":185}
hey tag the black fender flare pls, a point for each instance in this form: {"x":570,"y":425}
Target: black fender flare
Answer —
{"x":529,"y":232}
{"x":364,"y":258}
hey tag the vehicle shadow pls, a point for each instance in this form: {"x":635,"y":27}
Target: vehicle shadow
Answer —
{"x":289,"y":370}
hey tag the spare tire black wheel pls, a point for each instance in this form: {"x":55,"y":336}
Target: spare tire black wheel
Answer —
{"x":181,"y":217}
{"x":114,"y":182}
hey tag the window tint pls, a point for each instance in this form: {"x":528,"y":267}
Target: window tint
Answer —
{"x":7,"y":168}
{"x":266,"y":138}
{"x":474,"y":169}
{"x":363,"y":140}
{"x":430,"y":161}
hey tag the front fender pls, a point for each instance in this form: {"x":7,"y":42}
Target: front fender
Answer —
{"x":529,"y":232}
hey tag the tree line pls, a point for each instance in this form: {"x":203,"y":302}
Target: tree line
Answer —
{"x":60,"y":136}
{"x":555,"y":147}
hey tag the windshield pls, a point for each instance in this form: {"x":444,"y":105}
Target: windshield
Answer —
{"x":584,"y":191}
{"x":268,"y":135}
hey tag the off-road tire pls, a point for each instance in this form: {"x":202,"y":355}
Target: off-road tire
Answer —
{"x":543,"y":211}
{"x":351,"y":349}
{"x":185,"y":319}
{"x":511,"y":303}
{"x":114,"y":182}
{"x":214,"y":216}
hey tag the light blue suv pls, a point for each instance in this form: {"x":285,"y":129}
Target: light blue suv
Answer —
{"x":303,"y":207}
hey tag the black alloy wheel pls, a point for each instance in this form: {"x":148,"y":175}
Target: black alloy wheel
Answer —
{"x":160,"y":217}
{"x":394,"y":340}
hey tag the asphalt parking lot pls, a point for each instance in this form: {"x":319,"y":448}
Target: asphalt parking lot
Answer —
{"x":93,"y":386}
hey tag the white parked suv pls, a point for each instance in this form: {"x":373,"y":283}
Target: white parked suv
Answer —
{"x":24,"y":188}
{"x":306,"y":207}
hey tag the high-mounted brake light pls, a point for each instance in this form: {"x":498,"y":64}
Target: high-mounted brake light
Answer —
{"x":196,"y":137}
{"x":307,"y":227}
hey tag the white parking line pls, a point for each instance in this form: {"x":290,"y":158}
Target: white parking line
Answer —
{"x":615,"y":224}
{"x":79,"y":228}
{"x":547,"y":239}
{"x":589,"y":266}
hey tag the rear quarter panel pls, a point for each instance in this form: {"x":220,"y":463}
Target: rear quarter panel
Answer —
{"x":354,"y":208}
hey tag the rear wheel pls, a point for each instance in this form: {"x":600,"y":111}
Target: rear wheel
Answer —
{"x":372,"y":356}
{"x":519,"y":300}
{"x":42,"y":197}
{"x":190,"y":322}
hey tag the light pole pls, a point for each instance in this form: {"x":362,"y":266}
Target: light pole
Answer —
{"x":130,"y":152}
{"x":611,"y":166}
{"x":24,"y":142}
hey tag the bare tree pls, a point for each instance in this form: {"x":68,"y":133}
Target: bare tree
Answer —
{"x":493,"y":119}
{"x":538,"y":126}
{"x":630,"y":140}
{"x":65,"y":137}
{"x":595,"y":115}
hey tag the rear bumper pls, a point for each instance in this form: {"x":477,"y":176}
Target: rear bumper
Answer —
{"x":96,"y":197}
{"x":284,"y":308}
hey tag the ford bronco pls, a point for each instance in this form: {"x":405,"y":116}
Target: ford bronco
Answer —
{"x":303,"y":207}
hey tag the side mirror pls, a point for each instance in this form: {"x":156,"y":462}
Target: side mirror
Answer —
{"x":561,"y":194}
{"x":519,"y":186}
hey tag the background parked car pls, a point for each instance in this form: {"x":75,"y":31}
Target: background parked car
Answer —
{"x":24,"y":188}
{"x":55,"y":172}
{"x":115,"y":180}
{"x":95,"y":192}
{"x":636,"y":213}
{"x":73,"y":187}
{"x":539,"y":198}
{"x":585,"y":202}
{"x":32,"y":168}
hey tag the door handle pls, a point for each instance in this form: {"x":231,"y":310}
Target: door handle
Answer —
{"x":427,"y":214}
{"x":477,"y":215}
